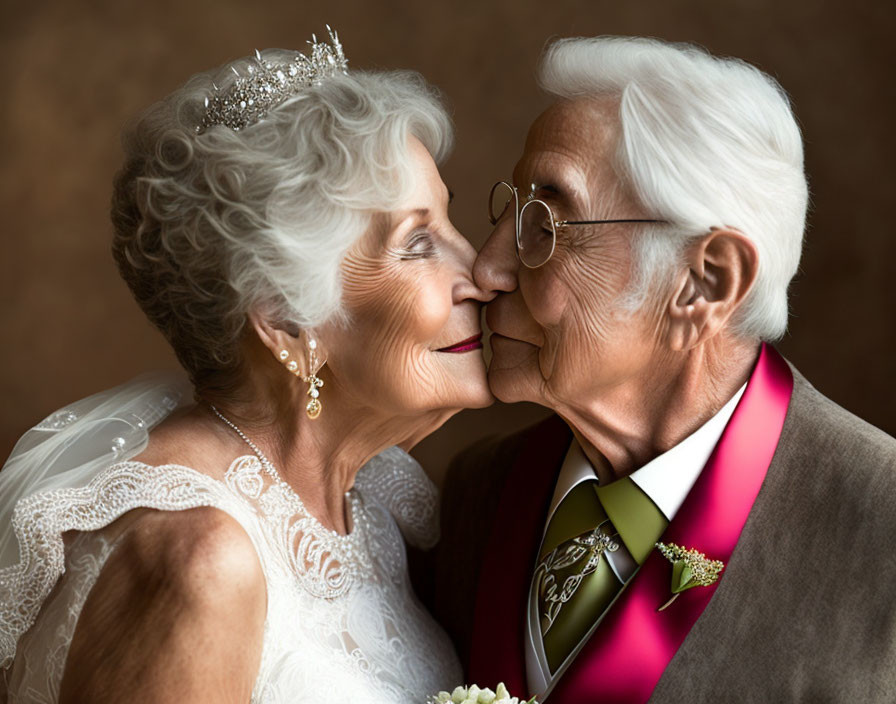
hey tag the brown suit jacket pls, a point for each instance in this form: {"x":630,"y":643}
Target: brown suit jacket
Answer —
{"x":805,"y":611}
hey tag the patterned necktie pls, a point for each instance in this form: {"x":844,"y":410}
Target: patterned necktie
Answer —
{"x":593,"y":544}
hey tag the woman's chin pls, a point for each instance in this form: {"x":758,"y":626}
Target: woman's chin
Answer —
{"x":469,"y":377}
{"x":473,"y":393}
{"x":477,"y":393}
{"x":476,"y":388}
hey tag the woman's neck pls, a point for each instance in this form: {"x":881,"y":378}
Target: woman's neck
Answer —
{"x":319,"y":458}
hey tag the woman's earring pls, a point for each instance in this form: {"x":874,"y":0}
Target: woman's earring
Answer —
{"x":292,"y":365}
{"x":314,"y":383}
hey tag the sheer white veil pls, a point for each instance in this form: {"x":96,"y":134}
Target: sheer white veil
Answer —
{"x":67,"y":450}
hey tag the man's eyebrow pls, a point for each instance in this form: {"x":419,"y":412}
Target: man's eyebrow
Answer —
{"x":552,"y":188}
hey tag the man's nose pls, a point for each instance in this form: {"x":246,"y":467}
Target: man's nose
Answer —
{"x":497,"y":264}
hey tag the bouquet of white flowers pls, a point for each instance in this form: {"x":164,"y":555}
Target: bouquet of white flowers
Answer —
{"x":475,"y":695}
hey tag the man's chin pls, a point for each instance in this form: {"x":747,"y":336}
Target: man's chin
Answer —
{"x":513,"y":373}
{"x":505,"y":388}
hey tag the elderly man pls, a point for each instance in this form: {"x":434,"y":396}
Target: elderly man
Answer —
{"x":696,"y":522}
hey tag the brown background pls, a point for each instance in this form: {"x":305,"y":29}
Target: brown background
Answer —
{"x":74,"y":72}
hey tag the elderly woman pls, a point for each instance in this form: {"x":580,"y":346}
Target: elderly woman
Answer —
{"x":283,"y":223}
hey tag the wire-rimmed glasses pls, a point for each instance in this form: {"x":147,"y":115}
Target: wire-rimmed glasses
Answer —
{"x":536,"y":227}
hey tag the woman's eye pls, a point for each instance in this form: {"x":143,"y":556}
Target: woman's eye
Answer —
{"x":419,"y":245}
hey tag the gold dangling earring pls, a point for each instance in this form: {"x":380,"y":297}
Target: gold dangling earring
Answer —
{"x":314,"y":383}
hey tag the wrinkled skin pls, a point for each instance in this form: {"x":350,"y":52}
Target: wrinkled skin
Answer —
{"x":631,"y":384}
{"x":408,"y":292}
{"x":562,"y":314}
{"x":185,"y":586}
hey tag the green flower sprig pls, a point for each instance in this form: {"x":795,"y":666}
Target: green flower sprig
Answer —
{"x":690,"y":568}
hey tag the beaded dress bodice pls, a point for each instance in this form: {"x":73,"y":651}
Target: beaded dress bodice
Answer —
{"x":342,"y":621}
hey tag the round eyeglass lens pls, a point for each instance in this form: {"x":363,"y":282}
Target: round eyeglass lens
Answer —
{"x":500,"y":200}
{"x":537,"y":233}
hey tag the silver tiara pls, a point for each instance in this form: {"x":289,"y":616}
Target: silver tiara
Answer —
{"x":249,"y":98}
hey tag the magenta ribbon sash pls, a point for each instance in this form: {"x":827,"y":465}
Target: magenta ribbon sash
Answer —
{"x":626,"y":656}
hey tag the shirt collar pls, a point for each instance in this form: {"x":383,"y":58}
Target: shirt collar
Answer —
{"x":666,"y":479}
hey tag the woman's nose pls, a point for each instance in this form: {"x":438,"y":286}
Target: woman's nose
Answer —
{"x":468,"y":290}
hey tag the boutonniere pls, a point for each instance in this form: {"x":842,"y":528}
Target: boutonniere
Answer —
{"x":690,"y":568}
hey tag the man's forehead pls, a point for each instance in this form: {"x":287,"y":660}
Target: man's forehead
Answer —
{"x":571,"y":136}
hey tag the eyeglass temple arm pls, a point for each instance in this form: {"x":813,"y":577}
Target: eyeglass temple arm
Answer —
{"x":601,"y":222}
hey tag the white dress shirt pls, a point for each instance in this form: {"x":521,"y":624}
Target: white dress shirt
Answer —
{"x":666,"y":480}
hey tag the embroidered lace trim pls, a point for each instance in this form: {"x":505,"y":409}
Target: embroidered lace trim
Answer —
{"x":398,"y":482}
{"x":40,"y":520}
{"x":326,"y":564}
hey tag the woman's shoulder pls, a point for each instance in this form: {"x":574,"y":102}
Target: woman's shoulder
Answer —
{"x":180,"y":586}
{"x":200,"y":548}
{"x":202,"y":552}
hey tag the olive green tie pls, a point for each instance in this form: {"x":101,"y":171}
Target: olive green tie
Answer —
{"x":574,"y":581}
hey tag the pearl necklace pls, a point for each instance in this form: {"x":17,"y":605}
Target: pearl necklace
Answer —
{"x":349,"y":539}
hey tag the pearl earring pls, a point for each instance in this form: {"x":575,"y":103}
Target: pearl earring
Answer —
{"x":292,"y":365}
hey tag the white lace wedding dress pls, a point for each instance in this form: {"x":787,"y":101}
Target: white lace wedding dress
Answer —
{"x":342,"y":621}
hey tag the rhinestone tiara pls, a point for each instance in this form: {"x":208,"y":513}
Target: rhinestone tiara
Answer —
{"x":249,"y":98}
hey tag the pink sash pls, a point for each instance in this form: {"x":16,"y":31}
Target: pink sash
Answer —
{"x":626,"y":656}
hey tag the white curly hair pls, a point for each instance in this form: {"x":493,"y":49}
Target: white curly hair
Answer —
{"x":210,"y":226}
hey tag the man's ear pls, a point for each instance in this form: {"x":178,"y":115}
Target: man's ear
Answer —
{"x":721,"y":269}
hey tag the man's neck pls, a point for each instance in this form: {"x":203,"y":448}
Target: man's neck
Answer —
{"x":626,"y":428}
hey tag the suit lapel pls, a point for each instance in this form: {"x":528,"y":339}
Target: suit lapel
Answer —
{"x":497,"y":651}
{"x":626,"y":656}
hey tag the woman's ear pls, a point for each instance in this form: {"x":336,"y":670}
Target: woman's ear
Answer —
{"x":721,"y":270}
{"x":275,"y":336}
{"x":300,"y":350}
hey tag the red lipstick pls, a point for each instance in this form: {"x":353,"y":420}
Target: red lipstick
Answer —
{"x":471,"y":343}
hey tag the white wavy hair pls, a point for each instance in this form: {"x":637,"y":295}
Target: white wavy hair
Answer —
{"x":705,"y":142}
{"x":210,"y":226}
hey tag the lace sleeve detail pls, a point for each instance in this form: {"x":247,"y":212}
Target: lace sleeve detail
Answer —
{"x":39,"y":521}
{"x":397,"y":481}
